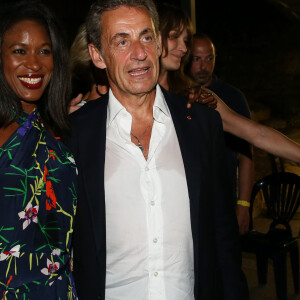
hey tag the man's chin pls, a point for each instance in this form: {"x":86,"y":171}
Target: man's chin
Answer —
{"x":202,"y":80}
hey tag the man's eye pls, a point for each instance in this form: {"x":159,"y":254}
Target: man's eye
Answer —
{"x":122,"y":43}
{"x":147,"y":38}
{"x":19,"y":51}
{"x":196,"y":59}
{"x":210,"y":58}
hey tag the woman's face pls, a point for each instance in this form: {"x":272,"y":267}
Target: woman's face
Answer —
{"x":176,"y":50}
{"x":27,"y":60}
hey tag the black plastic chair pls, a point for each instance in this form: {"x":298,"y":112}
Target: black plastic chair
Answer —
{"x":281,"y":193}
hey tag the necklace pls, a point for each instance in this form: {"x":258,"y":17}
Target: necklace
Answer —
{"x":142,"y":135}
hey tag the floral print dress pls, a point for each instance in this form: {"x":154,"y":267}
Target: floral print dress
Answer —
{"x":37,"y":208}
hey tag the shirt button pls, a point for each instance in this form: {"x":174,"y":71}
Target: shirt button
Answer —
{"x":152,"y":203}
{"x":147,"y":169}
{"x":155,"y":240}
{"x":155,"y":274}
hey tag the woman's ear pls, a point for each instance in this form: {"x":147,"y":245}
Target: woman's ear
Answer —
{"x":96,"y":56}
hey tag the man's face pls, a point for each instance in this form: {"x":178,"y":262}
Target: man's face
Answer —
{"x":203,"y":61}
{"x":130,"y":51}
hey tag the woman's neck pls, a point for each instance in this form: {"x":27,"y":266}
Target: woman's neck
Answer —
{"x":28,"y":107}
{"x":163,"y":79}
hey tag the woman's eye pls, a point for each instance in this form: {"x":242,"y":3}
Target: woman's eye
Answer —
{"x":19,"y":51}
{"x":46,"y":51}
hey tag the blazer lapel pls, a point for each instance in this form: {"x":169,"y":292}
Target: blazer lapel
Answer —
{"x":190,"y":144}
{"x":92,"y":150}
{"x":186,"y":130}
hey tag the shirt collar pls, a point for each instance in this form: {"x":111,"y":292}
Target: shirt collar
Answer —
{"x":113,"y":109}
{"x":160,"y":106}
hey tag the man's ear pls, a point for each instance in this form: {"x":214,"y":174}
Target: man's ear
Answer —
{"x":96,"y":57}
{"x":159,"y":46}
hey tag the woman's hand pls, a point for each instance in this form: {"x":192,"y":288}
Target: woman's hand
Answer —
{"x":76,"y":103}
{"x":201,"y":95}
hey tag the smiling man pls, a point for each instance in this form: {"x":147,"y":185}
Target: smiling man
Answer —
{"x":153,"y":220}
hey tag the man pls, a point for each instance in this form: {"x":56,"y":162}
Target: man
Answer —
{"x":238,"y":152}
{"x":153,"y":220}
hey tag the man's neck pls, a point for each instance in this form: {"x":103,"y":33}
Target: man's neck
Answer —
{"x":138,"y":105}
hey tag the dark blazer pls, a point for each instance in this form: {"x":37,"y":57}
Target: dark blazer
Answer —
{"x":217,"y":255}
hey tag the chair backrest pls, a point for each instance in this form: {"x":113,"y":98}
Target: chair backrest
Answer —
{"x":281,"y":193}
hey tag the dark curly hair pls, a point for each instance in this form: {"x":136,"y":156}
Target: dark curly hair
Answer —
{"x":53,"y":106}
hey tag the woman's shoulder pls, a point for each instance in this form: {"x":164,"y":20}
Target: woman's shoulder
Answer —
{"x":7,"y":132}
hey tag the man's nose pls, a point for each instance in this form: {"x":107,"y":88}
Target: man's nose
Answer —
{"x":202,"y":65}
{"x":138,"y":51}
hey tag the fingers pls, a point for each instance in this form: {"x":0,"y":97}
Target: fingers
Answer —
{"x":76,"y":100}
{"x":191,"y":97}
{"x":75,"y":103}
{"x":203,"y":96}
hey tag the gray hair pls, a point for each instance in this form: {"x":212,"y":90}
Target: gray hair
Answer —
{"x":93,"y":20}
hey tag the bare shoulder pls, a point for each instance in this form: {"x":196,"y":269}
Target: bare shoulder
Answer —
{"x":6,"y":132}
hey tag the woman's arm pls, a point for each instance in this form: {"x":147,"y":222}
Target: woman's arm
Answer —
{"x":263,"y":137}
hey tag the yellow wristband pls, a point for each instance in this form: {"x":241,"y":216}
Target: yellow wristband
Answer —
{"x":243,"y":203}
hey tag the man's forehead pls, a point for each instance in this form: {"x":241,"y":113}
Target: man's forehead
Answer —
{"x":203,"y":45}
{"x":126,"y":18}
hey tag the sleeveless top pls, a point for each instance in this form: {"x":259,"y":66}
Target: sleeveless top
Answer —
{"x":38,"y":197}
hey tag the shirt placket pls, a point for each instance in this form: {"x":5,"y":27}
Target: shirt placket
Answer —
{"x":155,"y":218}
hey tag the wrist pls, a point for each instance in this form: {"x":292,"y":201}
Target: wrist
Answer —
{"x":243,"y":203}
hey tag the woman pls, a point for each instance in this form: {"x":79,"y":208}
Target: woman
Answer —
{"x":37,"y":172}
{"x":88,"y":80}
{"x":176,"y":33}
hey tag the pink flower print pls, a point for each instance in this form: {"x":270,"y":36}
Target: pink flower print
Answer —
{"x":56,"y":252}
{"x":15,"y":251}
{"x":51,"y":267}
{"x":30,"y":214}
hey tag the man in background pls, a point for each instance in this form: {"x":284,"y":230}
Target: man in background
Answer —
{"x":238,"y":151}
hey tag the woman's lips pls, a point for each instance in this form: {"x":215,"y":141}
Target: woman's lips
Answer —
{"x":32,"y":81}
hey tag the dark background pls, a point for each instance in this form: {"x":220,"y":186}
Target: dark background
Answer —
{"x":257,"y":42}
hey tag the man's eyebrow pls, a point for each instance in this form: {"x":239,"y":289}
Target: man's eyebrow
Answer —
{"x":147,"y":30}
{"x":119,"y":35}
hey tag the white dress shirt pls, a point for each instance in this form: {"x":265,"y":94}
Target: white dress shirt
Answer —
{"x":148,"y":227}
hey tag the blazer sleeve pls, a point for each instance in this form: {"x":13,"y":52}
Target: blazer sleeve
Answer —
{"x":226,"y":227}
